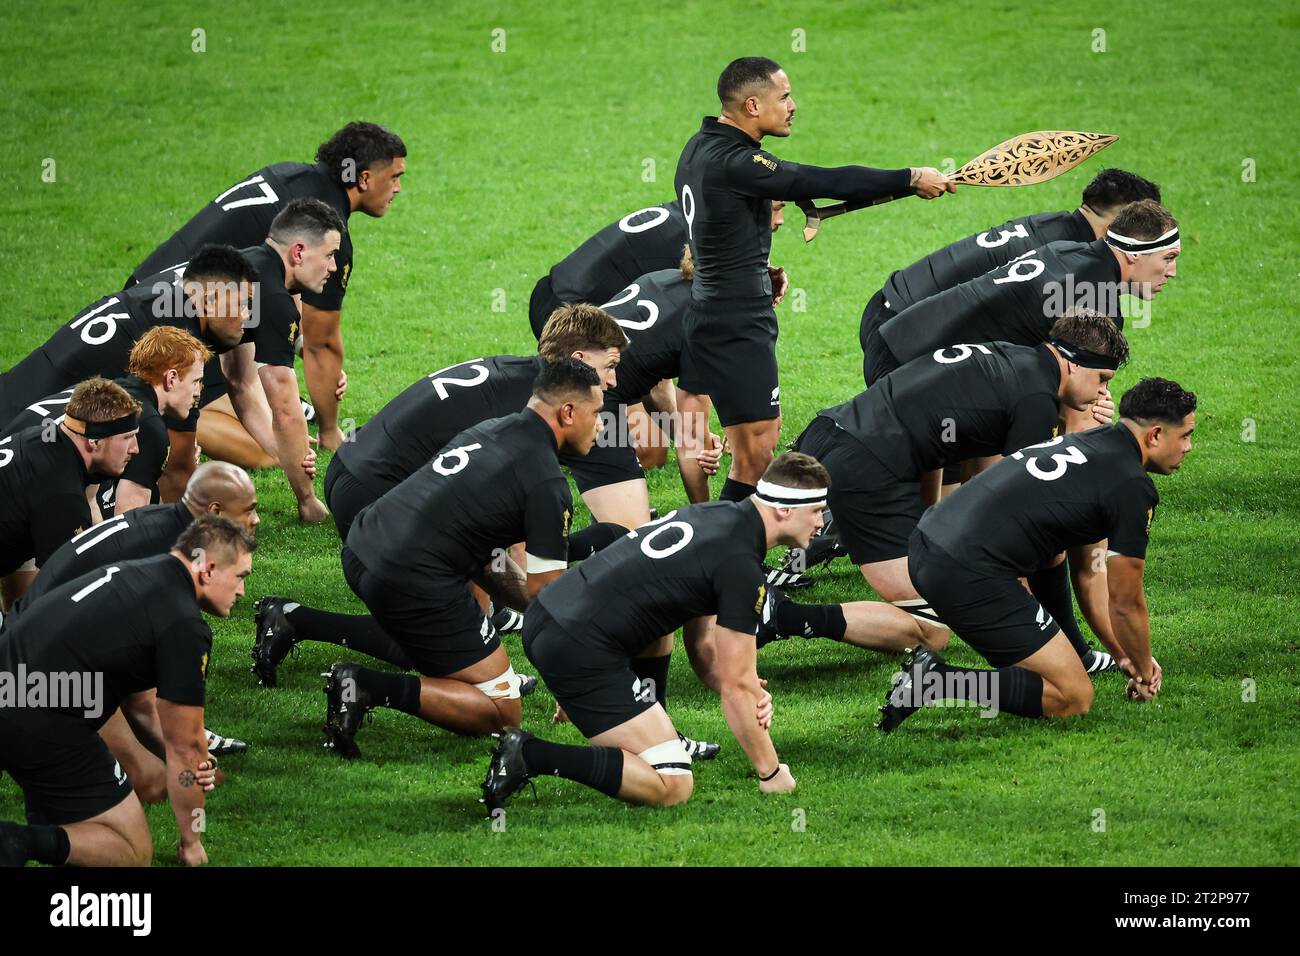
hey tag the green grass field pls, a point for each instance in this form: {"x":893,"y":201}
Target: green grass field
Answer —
{"x":517,"y":156}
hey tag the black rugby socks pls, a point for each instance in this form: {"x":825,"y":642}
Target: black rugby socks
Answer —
{"x":1019,"y":690}
{"x":600,"y":768}
{"x":396,"y":691}
{"x":358,"y":632}
{"x":811,"y":620}
{"x":1052,"y":588}
{"x":39,"y":842}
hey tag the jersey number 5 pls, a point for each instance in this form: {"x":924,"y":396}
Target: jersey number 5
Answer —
{"x":1071,"y":456}
{"x":963,"y":352}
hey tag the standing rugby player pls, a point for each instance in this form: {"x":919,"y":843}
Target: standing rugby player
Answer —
{"x":725,"y":182}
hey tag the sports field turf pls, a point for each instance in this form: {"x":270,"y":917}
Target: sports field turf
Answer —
{"x":517,"y":156}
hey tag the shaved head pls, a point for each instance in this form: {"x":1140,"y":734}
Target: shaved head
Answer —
{"x":224,"y":489}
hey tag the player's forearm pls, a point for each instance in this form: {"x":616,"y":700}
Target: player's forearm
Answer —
{"x":130,"y":496}
{"x":694,"y":480}
{"x":739,"y":706}
{"x":690,"y":434}
{"x":322,"y":364}
{"x":702,"y":651}
{"x":141,"y":715}
{"x":291,"y":449}
{"x":851,"y":183}
{"x":184,"y":791}
{"x":249,"y":402}
{"x":1132,"y":625}
{"x":1092,"y":591}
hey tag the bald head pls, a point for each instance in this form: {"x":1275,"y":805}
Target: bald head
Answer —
{"x":218,"y":487}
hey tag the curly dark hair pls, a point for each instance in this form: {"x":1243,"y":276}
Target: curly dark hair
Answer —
{"x":1112,"y":188}
{"x":1157,"y":400}
{"x":356,"y":148}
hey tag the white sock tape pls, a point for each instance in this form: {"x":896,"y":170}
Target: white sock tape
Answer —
{"x":505,"y":686}
{"x":920,"y":609}
{"x":669,"y":758}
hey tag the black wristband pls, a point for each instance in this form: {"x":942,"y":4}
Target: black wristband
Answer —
{"x":772,"y":774}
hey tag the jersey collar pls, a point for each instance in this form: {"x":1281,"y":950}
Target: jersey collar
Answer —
{"x":1132,"y":439}
{"x":1103,"y":251}
{"x":74,"y":454}
{"x":140,"y":390}
{"x":712,"y":126}
{"x":1082,"y":228}
{"x":342,"y":205}
{"x":263,"y":258}
{"x":537,"y":426}
{"x":756,"y":523}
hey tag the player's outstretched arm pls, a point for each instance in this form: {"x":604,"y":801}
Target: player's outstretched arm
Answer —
{"x":187,"y":757}
{"x":1092,"y":588}
{"x":759,"y":173}
{"x":1132,"y":624}
{"x":737,"y":670}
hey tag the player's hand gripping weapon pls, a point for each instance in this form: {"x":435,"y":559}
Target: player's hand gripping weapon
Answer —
{"x":1020,"y":161}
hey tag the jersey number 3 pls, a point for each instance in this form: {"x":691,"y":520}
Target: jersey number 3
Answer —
{"x":1060,"y":461}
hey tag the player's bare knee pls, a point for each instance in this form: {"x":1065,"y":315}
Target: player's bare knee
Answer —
{"x":1070,"y":700}
{"x":935,"y":638}
{"x":152,"y":787}
{"x":140,"y":846}
{"x":509,"y":714}
{"x":503,"y":691}
{"x":677,"y":790}
{"x":655,"y":456}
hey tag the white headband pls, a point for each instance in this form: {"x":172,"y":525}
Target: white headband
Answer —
{"x":1143,"y":247}
{"x":779,"y":496}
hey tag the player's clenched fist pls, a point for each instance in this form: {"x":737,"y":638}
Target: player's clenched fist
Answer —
{"x":191,"y":854}
{"x":928,"y":182}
